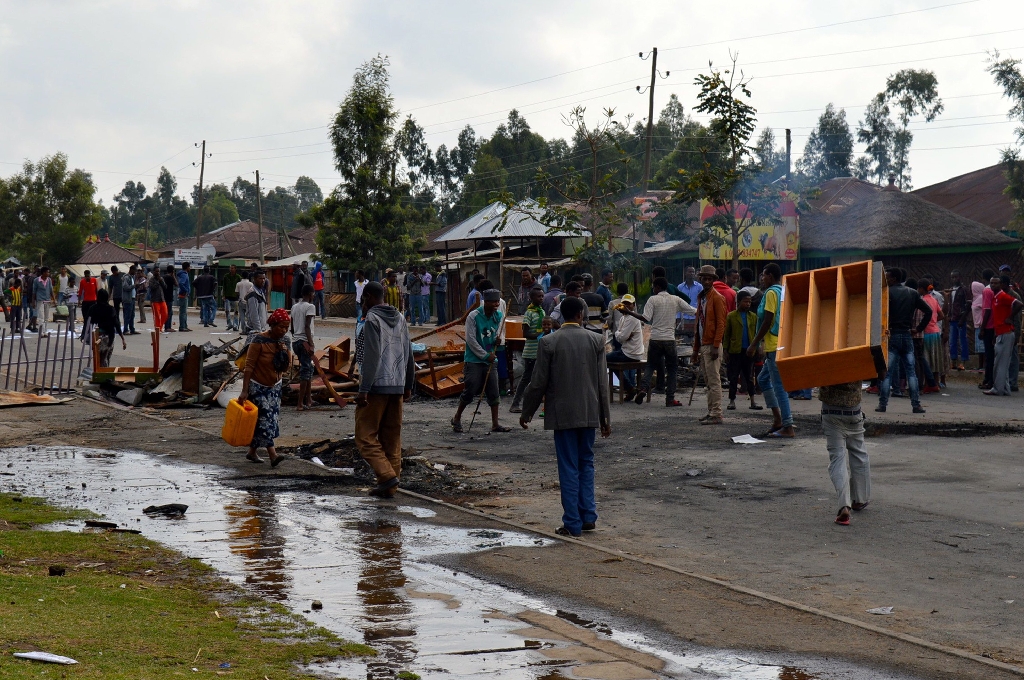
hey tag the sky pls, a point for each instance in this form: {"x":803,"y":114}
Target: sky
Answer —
{"x":124,"y":88}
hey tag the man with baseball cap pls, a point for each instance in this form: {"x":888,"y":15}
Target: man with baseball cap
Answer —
{"x":630,"y":336}
{"x":707,"y":341}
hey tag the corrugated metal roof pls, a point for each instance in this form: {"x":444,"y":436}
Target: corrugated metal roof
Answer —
{"x":976,"y":195}
{"x":522,"y":222}
{"x":105,"y":252}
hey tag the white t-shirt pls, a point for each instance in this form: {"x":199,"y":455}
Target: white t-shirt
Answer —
{"x":300,"y":311}
{"x":359,"y":290}
{"x":243,"y":288}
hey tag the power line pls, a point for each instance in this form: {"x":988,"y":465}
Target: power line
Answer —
{"x":821,"y":26}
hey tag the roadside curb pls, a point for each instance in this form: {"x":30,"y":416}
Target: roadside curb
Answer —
{"x":903,"y":637}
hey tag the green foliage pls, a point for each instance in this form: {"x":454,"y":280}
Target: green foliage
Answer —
{"x":1007,"y":75}
{"x":908,"y":93}
{"x":829,"y":149}
{"x":369,"y":221}
{"x":47,"y":210}
{"x":487,"y":180}
{"x":732,"y":176}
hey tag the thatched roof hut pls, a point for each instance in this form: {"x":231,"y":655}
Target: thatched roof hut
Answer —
{"x":854,"y":220}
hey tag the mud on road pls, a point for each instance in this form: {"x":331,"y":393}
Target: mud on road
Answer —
{"x":757,"y":517}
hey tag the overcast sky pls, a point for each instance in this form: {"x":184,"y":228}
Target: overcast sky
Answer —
{"x":125,"y":87}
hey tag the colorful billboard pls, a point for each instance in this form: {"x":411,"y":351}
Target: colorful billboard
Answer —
{"x":761,"y":241}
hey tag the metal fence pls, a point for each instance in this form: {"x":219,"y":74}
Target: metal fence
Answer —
{"x":51,"y":367}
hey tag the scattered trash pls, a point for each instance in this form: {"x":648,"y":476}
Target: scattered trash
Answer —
{"x":694,"y":472}
{"x":46,"y":657}
{"x":225,"y":665}
{"x":317,"y":604}
{"x":56,"y":570}
{"x":1009,"y":601}
{"x":747,"y":439}
{"x":123,"y":585}
{"x":170,"y":509}
{"x":316,"y":461}
{"x":882,"y":611}
{"x":439,"y":466}
{"x":100,"y":524}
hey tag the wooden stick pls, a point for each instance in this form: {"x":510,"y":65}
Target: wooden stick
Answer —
{"x":438,"y":329}
{"x":330,"y":388}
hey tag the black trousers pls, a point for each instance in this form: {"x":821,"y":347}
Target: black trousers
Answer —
{"x":740,"y":367}
{"x":658,"y":351}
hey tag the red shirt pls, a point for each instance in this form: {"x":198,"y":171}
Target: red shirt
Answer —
{"x":318,"y":281}
{"x":87,"y":289}
{"x":728,"y":293}
{"x":1002,"y":310}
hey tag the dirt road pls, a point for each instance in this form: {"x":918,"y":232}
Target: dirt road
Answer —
{"x":941,"y":541}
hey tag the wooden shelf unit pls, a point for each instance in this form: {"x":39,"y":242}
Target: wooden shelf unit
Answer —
{"x":834,"y":325}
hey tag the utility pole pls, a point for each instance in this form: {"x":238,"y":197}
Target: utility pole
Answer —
{"x":650,"y":120}
{"x":115,"y":224}
{"x":259,"y":209}
{"x":789,"y":155}
{"x":199,"y":215}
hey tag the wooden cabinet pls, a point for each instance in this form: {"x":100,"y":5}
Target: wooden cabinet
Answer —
{"x":834,"y":325}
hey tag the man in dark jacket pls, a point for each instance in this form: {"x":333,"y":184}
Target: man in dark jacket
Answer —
{"x":116,"y":294}
{"x":571,"y":376}
{"x":903,"y":302}
{"x":206,"y":297}
{"x":958,"y":313}
{"x":386,"y":376}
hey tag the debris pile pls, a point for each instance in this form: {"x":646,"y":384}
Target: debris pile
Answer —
{"x":439,"y":479}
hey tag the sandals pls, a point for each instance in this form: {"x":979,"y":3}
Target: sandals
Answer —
{"x":254,"y":458}
{"x":857,"y":507}
{"x":501,"y":428}
{"x":770,"y":431}
{"x":456,"y":426}
{"x":843,"y":521}
{"x":777,"y":434}
{"x":755,"y":407}
{"x":280,"y":458}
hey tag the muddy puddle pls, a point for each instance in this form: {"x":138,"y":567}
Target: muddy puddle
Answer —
{"x":369,"y":563}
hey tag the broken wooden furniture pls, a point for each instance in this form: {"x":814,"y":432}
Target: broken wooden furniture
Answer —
{"x":136,"y":374}
{"x":834,"y":327}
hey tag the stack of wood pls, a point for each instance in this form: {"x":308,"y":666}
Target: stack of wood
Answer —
{"x":336,"y":382}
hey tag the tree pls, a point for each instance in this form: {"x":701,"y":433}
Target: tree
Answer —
{"x":909,"y":93}
{"x":488,"y":179}
{"x":770,"y":158}
{"x":1007,"y":75}
{"x":47,"y":210}
{"x":829,"y":148}
{"x":366,"y":223}
{"x":733,"y":178}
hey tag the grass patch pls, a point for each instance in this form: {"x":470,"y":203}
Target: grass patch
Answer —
{"x":25,"y":512}
{"x":130,"y":608}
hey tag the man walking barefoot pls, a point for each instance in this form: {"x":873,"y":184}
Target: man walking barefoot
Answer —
{"x":571,"y":376}
{"x":385,"y":383}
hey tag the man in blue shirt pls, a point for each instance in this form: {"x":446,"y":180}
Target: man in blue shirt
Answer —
{"x":184,"y":289}
{"x":545,"y":278}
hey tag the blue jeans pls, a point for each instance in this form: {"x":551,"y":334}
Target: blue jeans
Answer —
{"x":415,"y":309}
{"x":425,"y":308}
{"x":318,"y":298}
{"x":439,"y":303}
{"x":207,"y":310}
{"x":128,"y":305}
{"x":575,"y":450}
{"x":958,"y":340}
{"x":628,"y":377}
{"x":775,"y":395}
{"x":901,"y":352}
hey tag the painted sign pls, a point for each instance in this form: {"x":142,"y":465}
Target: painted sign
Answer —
{"x":197,"y":256}
{"x":761,"y":241}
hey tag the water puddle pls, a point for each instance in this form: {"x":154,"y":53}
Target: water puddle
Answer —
{"x":369,"y":563}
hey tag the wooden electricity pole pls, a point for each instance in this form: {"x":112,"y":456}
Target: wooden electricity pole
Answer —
{"x":789,"y":154}
{"x":259,"y":210}
{"x":650,"y":120}
{"x":199,"y":215}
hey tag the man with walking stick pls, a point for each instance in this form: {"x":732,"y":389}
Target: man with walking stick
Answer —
{"x":483,"y":331}
{"x":571,"y":376}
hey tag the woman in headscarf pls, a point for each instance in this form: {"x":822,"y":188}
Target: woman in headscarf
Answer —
{"x":266,"y":360}
{"x":318,"y":288}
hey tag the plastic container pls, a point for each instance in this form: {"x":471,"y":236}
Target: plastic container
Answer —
{"x":239,"y":423}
